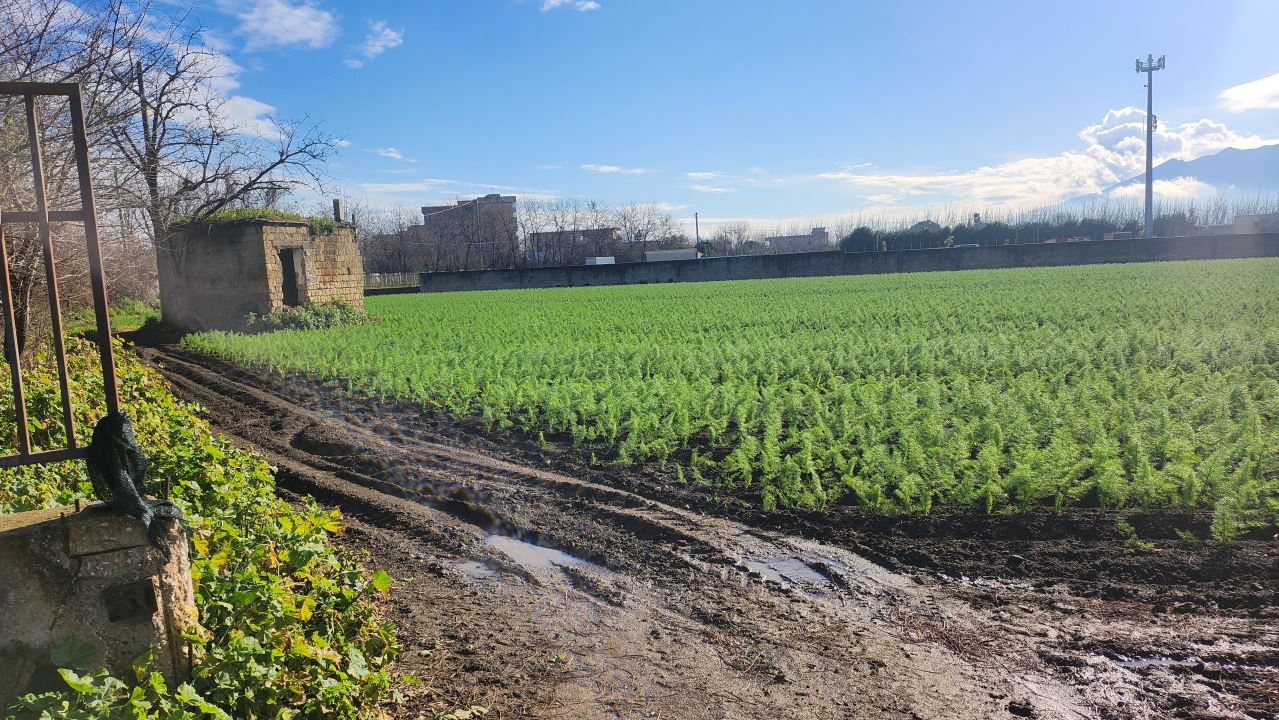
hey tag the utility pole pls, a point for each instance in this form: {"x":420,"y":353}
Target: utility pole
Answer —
{"x":1149,"y":67}
{"x":697,"y":229}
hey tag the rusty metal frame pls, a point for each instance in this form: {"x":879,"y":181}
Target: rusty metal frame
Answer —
{"x":42,"y":216}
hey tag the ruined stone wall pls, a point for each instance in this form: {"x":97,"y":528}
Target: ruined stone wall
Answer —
{"x":331,"y":268}
{"x":211,"y":277}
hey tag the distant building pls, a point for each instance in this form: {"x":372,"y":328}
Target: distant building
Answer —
{"x":817,"y":239}
{"x":479,"y":221}
{"x":925,"y":226}
{"x":1118,"y":236}
{"x":664,"y":255}
{"x":602,"y":260}
{"x":1251,"y":224}
{"x":571,"y":247}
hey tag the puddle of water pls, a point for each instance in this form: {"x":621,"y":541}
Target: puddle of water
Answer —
{"x":786,"y":571}
{"x":475,"y":570}
{"x":532,"y":556}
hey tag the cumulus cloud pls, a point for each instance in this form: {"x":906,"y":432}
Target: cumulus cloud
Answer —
{"x":712,"y":189}
{"x":616,"y":169}
{"x":282,"y":23}
{"x":1114,"y":150}
{"x":701,"y":175}
{"x":578,"y":5}
{"x":1258,"y":94}
{"x":379,"y":39}
{"x":249,"y":116}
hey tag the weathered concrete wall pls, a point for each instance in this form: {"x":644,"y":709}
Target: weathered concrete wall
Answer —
{"x":748,"y":267}
{"x":88,"y":586}
{"x":211,"y":277}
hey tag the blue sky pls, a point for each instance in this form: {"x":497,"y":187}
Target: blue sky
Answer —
{"x":752,"y":109}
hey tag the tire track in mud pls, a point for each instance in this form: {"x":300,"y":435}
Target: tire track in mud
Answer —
{"x":659,"y":611}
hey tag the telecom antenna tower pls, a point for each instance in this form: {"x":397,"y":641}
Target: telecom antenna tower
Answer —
{"x":1149,"y":67}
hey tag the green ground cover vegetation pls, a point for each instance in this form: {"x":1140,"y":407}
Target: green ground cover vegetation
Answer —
{"x":288,"y":625}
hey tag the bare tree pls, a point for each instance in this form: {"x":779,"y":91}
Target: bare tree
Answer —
{"x":55,"y":41}
{"x":191,"y":155}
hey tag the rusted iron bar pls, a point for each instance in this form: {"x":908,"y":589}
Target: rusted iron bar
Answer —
{"x":50,"y":268}
{"x":12,"y":354}
{"x":39,"y":88}
{"x":30,"y":216}
{"x":47,"y":456}
{"x":96,"y":277}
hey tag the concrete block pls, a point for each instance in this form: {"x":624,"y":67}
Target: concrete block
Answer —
{"x":90,"y":581}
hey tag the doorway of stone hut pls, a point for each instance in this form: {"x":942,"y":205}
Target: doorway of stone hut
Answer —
{"x":289,"y":276}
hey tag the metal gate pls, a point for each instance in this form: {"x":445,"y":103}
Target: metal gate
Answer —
{"x":31,"y":93}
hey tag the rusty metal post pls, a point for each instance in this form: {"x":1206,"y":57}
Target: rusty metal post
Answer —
{"x":50,"y":267}
{"x":12,"y":354}
{"x":96,"y":277}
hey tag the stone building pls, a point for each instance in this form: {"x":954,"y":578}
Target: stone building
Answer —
{"x":213,"y":275}
{"x":482,"y":220}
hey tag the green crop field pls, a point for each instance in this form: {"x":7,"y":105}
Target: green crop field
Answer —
{"x":1153,"y":385}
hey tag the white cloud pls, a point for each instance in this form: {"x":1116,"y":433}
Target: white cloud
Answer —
{"x":393,"y":153}
{"x":701,"y":175}
{"x":344,"y":143}
{"x":415,"y":186}
{"x":1114,"y":151}
{"x":249,"y":116}
{"x":281,"y":23}
{"x":1182,"y":188}
{"x":454,"y":187}
{"x":1262,"y":93}
{"x":578,"y":5}
{"x":379,"y":39}
{"x":615,"y":169}
{"x":712,"y":189}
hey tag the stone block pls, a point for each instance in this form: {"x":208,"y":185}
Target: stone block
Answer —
{"x":88,"y":585}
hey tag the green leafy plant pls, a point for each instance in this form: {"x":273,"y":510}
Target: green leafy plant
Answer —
{"x":1116,"y":387}
{"x":315,"y":316}
{"x":288,"y":621}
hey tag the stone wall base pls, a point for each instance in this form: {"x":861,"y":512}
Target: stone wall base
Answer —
{"x":87,"y":588}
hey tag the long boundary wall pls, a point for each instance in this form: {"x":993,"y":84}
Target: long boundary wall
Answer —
{"x":749,"y":267}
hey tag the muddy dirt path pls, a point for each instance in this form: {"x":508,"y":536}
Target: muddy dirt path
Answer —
{"x":540,"y":588}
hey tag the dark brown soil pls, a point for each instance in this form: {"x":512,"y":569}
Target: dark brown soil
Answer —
{"x":677,"y":601}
